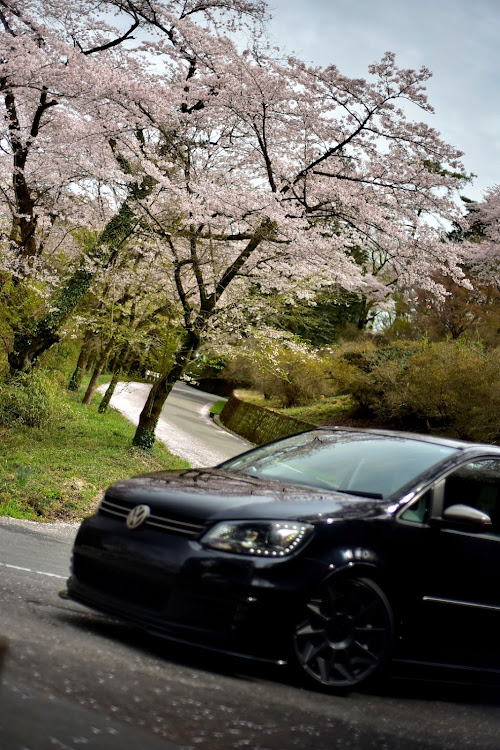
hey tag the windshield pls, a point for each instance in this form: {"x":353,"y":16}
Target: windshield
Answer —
{"x":359,"y":463}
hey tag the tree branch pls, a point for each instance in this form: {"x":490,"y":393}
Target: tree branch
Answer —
{"x":112,"y":43}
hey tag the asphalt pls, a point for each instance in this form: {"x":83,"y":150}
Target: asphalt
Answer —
{"x":184,"y":424}
{"x":32,"y":720}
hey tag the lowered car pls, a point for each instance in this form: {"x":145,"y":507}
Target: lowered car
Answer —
{"x":340,"y":550}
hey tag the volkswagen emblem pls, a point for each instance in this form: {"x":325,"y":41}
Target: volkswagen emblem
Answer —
{"x":137,"y":516}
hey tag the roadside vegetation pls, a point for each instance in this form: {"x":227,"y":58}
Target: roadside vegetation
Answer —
{"x":58,"y":455}
{"x":326,"y":411}
{"x":447,"y":387}
{"x":217,"y":407}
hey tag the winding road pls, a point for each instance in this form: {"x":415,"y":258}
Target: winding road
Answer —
{"x":75,"y":680}
{"x":184,"y":425}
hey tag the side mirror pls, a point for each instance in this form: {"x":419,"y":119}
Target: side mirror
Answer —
{"x":464,"y":514}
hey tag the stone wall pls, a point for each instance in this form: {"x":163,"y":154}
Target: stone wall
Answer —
{"x":257,"y":424}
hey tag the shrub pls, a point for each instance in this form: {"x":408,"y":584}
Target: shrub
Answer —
{"x":305,"y":381}
{"x":287,"y":377}
{"x":32,"y":399}
{"x":451,"y":388}
{"x":59,"y":361}
{"x":365,"y":371}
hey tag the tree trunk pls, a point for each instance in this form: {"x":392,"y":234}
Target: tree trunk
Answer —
{"x":29,"y":346}
{"x":83,"y":358}
{"x":365,"y":315}
{"x":117,"y":371}
{"x":145,"y":433}
{"x":103,"y":406}
{"x":101,"y":364}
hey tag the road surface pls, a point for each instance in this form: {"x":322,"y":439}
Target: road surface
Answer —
{"x":74,"y":680}
{"x":184,"y":425}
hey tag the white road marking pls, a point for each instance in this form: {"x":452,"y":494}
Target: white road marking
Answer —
{"x":29,"y":570}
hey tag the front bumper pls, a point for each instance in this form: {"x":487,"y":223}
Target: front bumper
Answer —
{"x":173,"y":587}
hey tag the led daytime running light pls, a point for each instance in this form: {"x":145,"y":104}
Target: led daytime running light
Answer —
{"x":265,"y":539}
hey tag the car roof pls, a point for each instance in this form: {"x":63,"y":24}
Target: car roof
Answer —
{"x":450,"y":442}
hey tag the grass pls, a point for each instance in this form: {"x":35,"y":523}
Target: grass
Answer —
{"x":217,"y":407}
{"x":323,"y":412}
{"x":59,"y":471}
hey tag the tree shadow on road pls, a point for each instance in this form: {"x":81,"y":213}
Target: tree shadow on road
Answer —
{"x":405,"y":682}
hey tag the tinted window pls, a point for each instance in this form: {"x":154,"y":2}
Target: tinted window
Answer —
{"x":418,"y":511}
{"x":476,"y":484}
{"x":363,"y":463}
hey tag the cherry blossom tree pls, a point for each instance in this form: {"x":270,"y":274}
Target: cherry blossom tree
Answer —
{"x":78,"y":84}
{"x":234,"y":168}
{"x":283,"y":176}
{"x":482,"y":250}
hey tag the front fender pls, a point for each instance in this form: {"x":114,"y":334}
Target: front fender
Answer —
{"x":350,"y":558}
{"x":359,"y":561}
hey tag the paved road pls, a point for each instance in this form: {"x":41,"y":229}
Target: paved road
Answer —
{"x":75,"y":680}
{"x":184,"y":425}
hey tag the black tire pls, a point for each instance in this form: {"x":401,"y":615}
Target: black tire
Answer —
{"x":346,"y":634}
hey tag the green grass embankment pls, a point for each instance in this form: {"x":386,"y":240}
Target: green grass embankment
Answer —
{"x":323,"y":412}
{"x":58,"y":472}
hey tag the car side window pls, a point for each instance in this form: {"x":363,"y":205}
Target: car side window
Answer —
{"x":418,"y":511}
{"x":477,"y":484}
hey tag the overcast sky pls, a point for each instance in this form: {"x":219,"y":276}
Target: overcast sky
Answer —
{"x":459,"y":40}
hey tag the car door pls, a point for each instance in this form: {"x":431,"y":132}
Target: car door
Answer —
{"x":461,"y":587}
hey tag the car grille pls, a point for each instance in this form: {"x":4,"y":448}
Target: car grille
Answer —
{"x":171,"y":525}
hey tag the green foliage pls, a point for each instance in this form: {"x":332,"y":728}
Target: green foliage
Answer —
{"x":437,"y":168}
{"x":450,"y":388}
{"x":301,"y":381}
{"x":60,"y":359}
{"x":454,"y":388}
{"x":288,"y":376}
{"x":31,"y":399}
{"x":207,"y":365}
{"x":19,"y":307}
{"x":156,"y":349}
{"x":332,"y":314}
{"x":85,"y":238}
{"x":356,"y":369}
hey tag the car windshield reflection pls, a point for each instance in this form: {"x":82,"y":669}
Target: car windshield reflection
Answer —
{"x":362,"y":464}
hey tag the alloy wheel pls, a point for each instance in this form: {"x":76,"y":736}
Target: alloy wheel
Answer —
{"x":346,"y":632}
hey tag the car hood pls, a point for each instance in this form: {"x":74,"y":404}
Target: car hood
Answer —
{"x":207,"y":495}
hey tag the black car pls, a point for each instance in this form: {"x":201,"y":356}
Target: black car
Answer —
{"x":338,"y":549}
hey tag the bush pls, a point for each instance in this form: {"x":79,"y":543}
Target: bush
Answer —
{"x":450,"y":388}
{"x":365,"y":371}
{"x":287,"y":377}
{"x":59,"y":361}
{"x":32,"y":399}
{"x":302,"y":381}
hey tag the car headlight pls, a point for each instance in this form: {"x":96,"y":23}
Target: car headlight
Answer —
{"x":258,"y":538}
